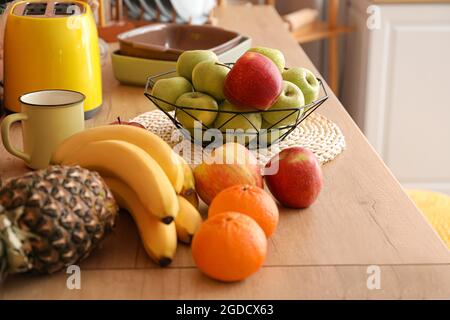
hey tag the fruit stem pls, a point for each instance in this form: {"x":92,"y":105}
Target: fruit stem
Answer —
{"x":223,"y":65}
{"x":118,"y":120}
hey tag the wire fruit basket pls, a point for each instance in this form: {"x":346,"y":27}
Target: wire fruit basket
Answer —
{"x":255,"y":136}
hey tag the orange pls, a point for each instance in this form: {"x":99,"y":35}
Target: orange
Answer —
{"x":250,"y":200}
{"x":229,"y":246}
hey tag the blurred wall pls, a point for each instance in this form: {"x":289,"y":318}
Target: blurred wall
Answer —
{"x":313,"y":49}
{"x":317,"y":50}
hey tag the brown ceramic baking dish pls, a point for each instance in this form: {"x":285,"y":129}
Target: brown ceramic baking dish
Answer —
{"x":168,"y":41}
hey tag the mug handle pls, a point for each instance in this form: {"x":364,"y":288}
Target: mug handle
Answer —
{"x":6,"y":128}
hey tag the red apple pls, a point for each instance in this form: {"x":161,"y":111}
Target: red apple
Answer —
{"x":228,"y":165}
{"x":128,"y":123}
{"x":294,"y":177}
{"x":254,"y":81}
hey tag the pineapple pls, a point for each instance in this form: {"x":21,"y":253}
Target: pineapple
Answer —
{"x":52,"y":218}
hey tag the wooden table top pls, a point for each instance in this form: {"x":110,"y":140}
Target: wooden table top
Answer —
{"x":362,"y":218}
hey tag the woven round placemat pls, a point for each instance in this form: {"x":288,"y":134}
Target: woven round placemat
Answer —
{"x":317,"y":133}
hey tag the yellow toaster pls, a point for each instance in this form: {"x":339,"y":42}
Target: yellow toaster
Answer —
{"x":52,"y":45}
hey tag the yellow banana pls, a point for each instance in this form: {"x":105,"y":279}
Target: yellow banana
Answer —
{"x":159,"y":239}
{"x":187,"y":221}
{"x":133,"y":166}
{"x":149,"y":142}
{"x":188,"y":190}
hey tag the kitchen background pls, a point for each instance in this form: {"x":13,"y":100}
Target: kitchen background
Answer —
{"x":391,"y":67}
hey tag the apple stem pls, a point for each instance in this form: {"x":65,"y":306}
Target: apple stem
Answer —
{"x":118,"y":120}
{"x":223,"y":65}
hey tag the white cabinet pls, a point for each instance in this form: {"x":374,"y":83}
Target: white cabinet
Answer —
{"x":396,"y":85}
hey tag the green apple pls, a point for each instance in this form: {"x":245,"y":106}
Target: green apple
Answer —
{"x":189,"y":59}
{"x":196,"y":100}
{"x":273,"y":54}
{"x":248,"y":124}
{"x":169,"y":90}
{"x":268,"y":136}
{"x":209,"y":77}
{"x":305,"y":80}
{"x":291,"y":97}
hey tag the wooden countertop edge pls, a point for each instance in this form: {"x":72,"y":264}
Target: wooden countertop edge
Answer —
{"x":333,"y":282}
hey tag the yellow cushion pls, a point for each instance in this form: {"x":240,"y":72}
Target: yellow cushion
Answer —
{"x":436,"y":208}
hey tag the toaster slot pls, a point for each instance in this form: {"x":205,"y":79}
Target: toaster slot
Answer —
{"x":35,"y":9}
{"x":66,"y":9}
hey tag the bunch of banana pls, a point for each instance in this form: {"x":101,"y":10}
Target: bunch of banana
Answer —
{"x":153,"y":145}
{"x":132,"y":165}
{"x":146,"y":178}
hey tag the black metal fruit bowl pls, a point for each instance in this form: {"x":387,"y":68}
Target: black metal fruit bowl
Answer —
{"x":253,"y":138}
